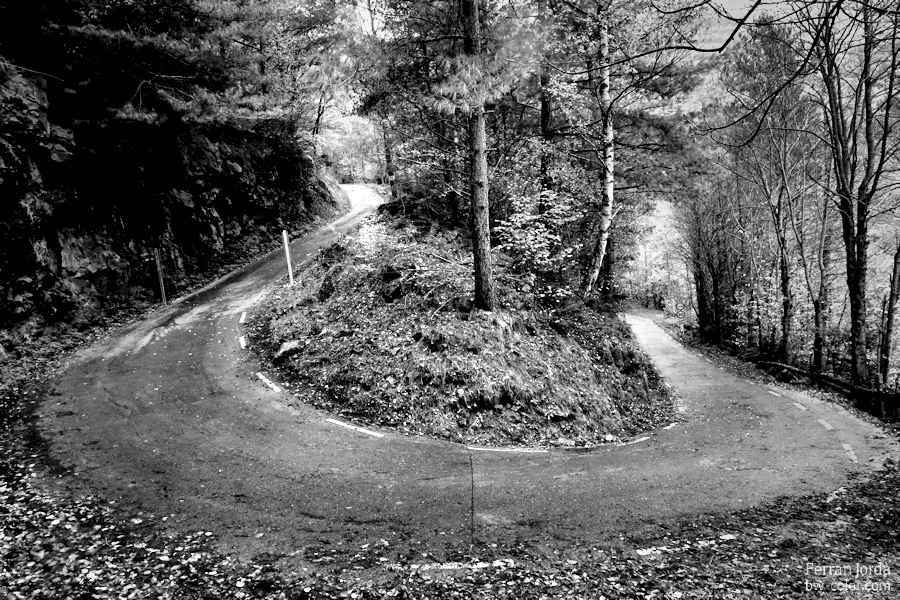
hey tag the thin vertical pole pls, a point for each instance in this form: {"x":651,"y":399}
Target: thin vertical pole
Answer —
{"x":159,"y":273}
{"x":287,"y":255}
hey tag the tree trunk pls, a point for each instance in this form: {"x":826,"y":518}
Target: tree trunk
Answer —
{"x":606,"y":199}
{"x":609,"y":270}
{"x":856,"y":246}
{"x":546,"y":115}
{"x":887,"y":333}
{"x":820,"y":302}
{"x":819,"y":320}
{"x":704,"y":304}
{"x":478,"y":174}
{"x":546,"y":136}
{"x":320,"y":112}
{"x":785,"y":349}
{"x":389,"y":163}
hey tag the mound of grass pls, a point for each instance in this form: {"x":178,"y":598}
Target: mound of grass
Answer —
{"x":381,"y":324}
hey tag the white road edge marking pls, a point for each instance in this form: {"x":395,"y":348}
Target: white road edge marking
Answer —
{"x":670,"y":426}
{"x":800,"y":406}
{"x":638,"y":440}
{"x":243,"y":317}
{"x":355,"y":428}
{"x":243,"y":341}
{"x":526,"y":450}
{"x":774,"y":393}
{"x":452,"y":566}
{"x":850,"y":452}
{"x":265,"y":380}
{"x":825,"y":424}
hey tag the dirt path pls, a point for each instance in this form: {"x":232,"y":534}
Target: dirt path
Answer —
{"x":172,"y":420}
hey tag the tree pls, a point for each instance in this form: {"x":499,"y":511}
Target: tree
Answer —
{"x":485,"y":297}
{"x":856,"y":49}
{"x":889,"y":311}
{"x":450,"y":61}
{"x":776,"y":153}
{"x":600,"y":81}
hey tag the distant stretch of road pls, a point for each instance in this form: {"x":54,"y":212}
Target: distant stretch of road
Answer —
{"x":172,"y":419}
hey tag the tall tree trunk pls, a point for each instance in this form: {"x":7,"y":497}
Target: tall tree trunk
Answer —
{"x":857,"y":270}
{"x":890,"y":309}
{"x":606,"y":199}
{"x":389,"y":162}
{"x":705,"y":317}
{"x":785,"y":350}
{"x":320,"y":112}
{"x":609,"y":265}
{"x":546,"y":115}
{"x":820,"y":302}
{"x":478,"y":174}
{"x":546,"y":136}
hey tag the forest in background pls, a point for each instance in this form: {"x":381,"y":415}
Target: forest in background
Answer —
{"x":551,"y":131}
{"x":793,"y":239}
{"x":556,"y":130}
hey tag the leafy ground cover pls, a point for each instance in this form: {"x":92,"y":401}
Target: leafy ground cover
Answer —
{"x":382,"y":325}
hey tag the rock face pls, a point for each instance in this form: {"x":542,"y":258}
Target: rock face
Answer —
{"x":86,"y":202}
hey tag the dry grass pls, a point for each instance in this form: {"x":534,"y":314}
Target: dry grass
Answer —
{"x":382,"y":324}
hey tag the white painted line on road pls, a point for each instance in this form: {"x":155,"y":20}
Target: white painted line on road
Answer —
{"x":355,"y":428}
{"x":774,"y":393}
{"x":243,"y":317}
{"x":638,"y":440}
{"x":850,"y":452}
{"x":526,"y":450}
{"x":825,"y":424}
{"x":243,"y":341}
{"x":800,"y":406}
{"x":265,"y":380}
{"x":457,"y":566}
{"x":670,"y":426}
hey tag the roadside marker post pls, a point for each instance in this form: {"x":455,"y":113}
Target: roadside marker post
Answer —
{"x":287,"y":255}
{"x":159,"y":273}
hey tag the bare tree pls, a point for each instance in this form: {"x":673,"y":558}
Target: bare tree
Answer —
{"x":857,"y":59}
{"x":889,"y":311}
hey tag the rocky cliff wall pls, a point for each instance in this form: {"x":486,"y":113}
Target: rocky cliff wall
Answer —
{"x":84,"y":202}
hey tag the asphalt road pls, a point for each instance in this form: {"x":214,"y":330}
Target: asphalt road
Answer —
{"x":170,"y":419}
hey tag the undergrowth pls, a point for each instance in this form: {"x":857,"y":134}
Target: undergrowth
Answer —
{"x":382,"y":324}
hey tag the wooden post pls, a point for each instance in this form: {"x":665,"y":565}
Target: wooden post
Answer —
{"x":287,"y":255}
{"x":159,"y":272}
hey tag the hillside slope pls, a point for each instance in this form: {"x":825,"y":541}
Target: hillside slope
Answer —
{"x":87,"y":200}
{"x":380,"y":329}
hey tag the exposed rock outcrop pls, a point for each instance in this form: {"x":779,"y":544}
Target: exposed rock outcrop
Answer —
{"x":85,"y":202}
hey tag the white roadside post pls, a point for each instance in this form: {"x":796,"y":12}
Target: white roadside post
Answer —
{"x":287,"y":255}
{"x":159,"y":274}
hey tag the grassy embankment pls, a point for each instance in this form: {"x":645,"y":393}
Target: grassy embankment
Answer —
{"x":380,"y":326}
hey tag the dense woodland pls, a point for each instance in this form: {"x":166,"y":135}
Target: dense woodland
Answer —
{"x":549,"y":130}
{"x":130,"y":127}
